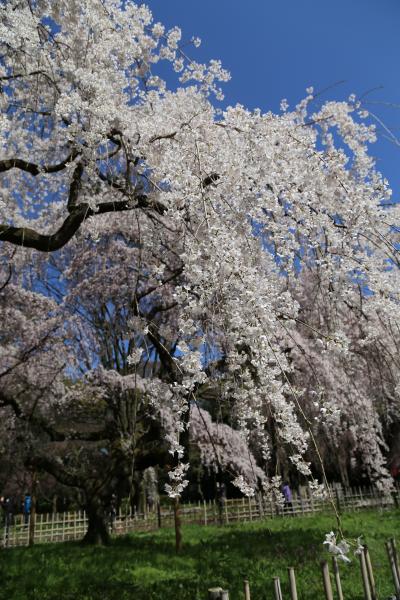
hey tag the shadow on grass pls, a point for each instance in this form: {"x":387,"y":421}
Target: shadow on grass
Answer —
{"x":303,"y":546}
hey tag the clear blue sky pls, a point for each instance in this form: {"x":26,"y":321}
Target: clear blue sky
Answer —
{"x":275,"y":49}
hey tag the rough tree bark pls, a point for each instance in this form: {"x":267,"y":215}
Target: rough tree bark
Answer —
{"x":98,"y":523}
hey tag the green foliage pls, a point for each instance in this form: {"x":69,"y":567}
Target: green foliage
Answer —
{"x":144,"y":565}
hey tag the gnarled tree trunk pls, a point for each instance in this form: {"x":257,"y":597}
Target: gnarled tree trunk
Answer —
{"x":98,"y":524}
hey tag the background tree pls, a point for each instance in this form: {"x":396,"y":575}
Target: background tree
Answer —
{"x":351,"y":384}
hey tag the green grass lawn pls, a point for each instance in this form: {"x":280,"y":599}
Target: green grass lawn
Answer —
{"x":144,"y":566}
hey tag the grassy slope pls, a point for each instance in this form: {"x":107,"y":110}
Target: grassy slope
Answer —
{"x":144,"y":566}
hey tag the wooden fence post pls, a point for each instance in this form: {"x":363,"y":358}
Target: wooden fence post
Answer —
{"x":327,"y":580}
{"x":277,"y":588}
{"x":52,"y":526}
{"x":301,"y":504}
{"x":312,"y":503}
{"x":292,"y":584}
{"x":5,"y":535}
{"x":205,"y":512}
{"x":159,"y":515}
{"x":337,"y":578}
{"x":260,"y":505}
{"x":76,"y":517}
{"x":246,"y":587}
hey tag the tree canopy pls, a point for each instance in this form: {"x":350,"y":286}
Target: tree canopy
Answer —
{"x":224,"y":248}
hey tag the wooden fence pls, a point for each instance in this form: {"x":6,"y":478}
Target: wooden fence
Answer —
{"x":60,"y":527}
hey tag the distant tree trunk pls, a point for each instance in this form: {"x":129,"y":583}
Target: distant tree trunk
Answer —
{"x":97,"y":533}
{"x":344,"y":475}
{"x":220,"y":496}
{"x":32,"y":518}
{"x":178,"y":526}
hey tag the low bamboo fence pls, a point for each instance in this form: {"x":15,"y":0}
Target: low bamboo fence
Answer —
{"x":66,"y":526}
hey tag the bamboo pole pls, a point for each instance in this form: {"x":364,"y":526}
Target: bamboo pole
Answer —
{"x":277,"y":588}
{"x":393,"y":569}
{"x":292,"y":584}
{"x":395,"y":557}
{"x":337,"y":578}
{"x":364,"y":575}
{"x":370,"y":572}
{"x":326,"y":580}
{"x":246,"y":587}
{"x":63,"y":527}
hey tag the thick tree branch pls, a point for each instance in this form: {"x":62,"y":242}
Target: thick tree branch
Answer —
{"x":8,"y":279}
{"x":79,"y":212}
{"x":25,"y":236}
{"x":55,"y":468}
{"x":44,"y":424}
{"x":29,"y":238}
{"x":31,"y":74}
{"x":33,"y":168}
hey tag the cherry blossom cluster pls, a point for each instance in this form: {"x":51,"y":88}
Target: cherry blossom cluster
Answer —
{"x":224,"y":214}
{"x":342,"y":548}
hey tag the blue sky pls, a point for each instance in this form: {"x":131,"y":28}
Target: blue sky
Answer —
{"x":275,"y":50}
